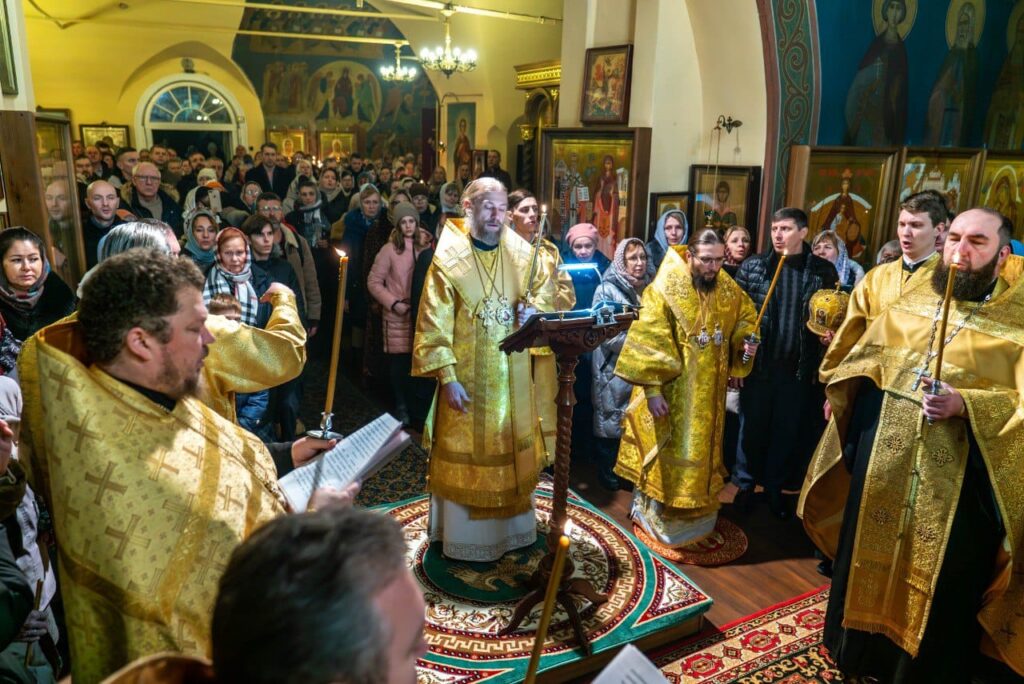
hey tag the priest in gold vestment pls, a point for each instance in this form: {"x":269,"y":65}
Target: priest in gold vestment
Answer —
{"x":526,"y":219}
{"x":149,"y":488}
{"x":680,"y":354}
{"x":482,"y":431}
{"x":925,"y":520}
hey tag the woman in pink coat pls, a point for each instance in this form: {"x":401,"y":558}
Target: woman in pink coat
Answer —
{"x":390,"y":283}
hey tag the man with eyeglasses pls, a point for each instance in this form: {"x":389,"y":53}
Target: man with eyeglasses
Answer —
{"x":690,"y":338}
{"x":781,"y":399}
{"x":146,"y":199}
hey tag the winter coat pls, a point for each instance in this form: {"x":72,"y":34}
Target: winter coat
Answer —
{"x":610,"y":392}
{"x":56,"y":302}
{"x":169,"y":204}
{"x":390,"y":281}
{"x":300,"y":256}
{"x":755,"y":276}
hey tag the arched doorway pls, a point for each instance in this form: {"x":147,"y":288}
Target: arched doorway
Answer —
{"x":190,"y":112}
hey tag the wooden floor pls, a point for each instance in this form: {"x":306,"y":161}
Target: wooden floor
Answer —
{"x":779,"y":563}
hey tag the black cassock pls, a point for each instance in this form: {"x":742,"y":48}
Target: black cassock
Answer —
{"x":949,"y":650}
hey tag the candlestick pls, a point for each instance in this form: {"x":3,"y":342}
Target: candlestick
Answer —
{"x":339,"y":315}
{"x":752,"y":337}
{"x":543,"y":220}
{"x":554,"y":581}
{"x":954,"y":266}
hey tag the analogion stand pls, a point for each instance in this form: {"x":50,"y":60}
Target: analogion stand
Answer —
{"x":569,"y":334}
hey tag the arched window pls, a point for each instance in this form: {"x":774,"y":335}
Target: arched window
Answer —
{"x":189,"y":103}
{"x":190,"y":109}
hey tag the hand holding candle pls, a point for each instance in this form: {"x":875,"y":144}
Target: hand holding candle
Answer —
{"x":554,"y":581}
{"x":339,"y":313}
{"x":752,"y":337}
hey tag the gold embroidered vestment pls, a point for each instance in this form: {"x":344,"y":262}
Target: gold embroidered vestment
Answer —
{"x":677,"y":460}
{"x":488,"y":458}
{"x":916,"y":469}
{"x":147,"y":504}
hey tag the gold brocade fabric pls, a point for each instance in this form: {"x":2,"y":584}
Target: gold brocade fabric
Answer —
{"x":488,"y":458}
{"x":247,"y":359}
{"x":677,"y":460}
{"x":904,"y":519}
{"x":147,"y":505}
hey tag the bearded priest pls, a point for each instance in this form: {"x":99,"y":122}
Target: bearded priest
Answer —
{"x":925,"y":518}
{"x":689,"y":340}
{"x":482,"y":431}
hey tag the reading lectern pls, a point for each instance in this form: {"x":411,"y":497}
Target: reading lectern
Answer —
{"x":568,"y":334}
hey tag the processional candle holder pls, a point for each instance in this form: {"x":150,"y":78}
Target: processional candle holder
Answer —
{"x":569,"y":334}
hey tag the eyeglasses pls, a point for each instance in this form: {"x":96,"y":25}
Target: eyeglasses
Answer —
{"x":148,"y":179}
{"x":711,"y":261}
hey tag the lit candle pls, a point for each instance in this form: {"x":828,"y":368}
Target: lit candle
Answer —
{"x":549,"y":603}
{"x":954,"y":266}
{"x":339,"y":313}
{"x":543,"y":219}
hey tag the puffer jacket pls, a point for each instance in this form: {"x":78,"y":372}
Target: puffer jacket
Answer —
{"x":610,"y":392}
{"x":390,"y":281}
{"x":755,"y":277}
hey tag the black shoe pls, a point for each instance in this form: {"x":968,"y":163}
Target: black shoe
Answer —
{"x":744,"y":501}
{"x":778,"y":505}
{"x":825,"y":568}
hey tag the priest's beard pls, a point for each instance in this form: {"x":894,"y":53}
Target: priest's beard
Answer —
{"x":178,"y":383}
{"x":703,"y":285}
{"x":967,"y":285}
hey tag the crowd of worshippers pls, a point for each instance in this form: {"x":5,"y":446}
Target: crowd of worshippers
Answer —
{"x":263,"y":233}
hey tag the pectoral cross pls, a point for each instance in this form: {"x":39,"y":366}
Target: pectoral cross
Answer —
{"x":922,"y":373}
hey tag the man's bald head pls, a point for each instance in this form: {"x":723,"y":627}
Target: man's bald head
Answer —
{"x":102,"y":201}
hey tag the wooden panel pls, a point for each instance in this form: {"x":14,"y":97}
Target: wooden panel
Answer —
{"x":25,"y":203}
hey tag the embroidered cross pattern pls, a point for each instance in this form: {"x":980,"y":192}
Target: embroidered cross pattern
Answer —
{"x":225,"y":496}
{"x":160,"y":464}
{"x":82,"y":431}
{"x":63,"y":382}
{"x":127,"y":537}
{"x":104,"y":484}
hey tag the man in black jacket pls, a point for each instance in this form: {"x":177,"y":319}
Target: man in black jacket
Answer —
{"x":103,"y":213}
{"x":268,"y":175}
{"x":781,"y":398}
{"x":146,"y":199}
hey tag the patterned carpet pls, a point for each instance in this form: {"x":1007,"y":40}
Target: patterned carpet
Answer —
{"x":781,"y":645}
{"x":469,"y":603}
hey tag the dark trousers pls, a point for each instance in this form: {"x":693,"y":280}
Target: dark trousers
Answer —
{"x":772,"y":405}
{"x":399,"y":367}
{"x":606,"y":450}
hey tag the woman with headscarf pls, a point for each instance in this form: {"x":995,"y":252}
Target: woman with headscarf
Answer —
{"x":31,"y":296}
{"x":827,"y":245}
{"x":201,"y":239}
{"x":335,"y":202}
{"x":231,"y":274}
{"x":586,"y":264}
{"x":623,"y":283}
{"x":303,"y":172}
{"x":672,"y":229}
{"x":448,"y":205}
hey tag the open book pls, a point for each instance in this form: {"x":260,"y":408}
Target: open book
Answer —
{"x":355,"y":457}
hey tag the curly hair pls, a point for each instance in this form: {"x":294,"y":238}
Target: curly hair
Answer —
{"x":135,"y":289}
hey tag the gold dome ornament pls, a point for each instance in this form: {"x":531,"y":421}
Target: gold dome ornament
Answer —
{"x":828,"y":309}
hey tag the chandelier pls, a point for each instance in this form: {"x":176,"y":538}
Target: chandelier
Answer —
{"x":448,"y":60}
{"x":398,"y":72}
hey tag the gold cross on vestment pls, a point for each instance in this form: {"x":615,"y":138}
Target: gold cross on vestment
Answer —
{"x":225,"y":495}
{"x":105,"y":484}
{"x":83,"y":432}
{"x":63,"y":382}
{"x":160,"y":464}
{"x":184,"y":512}
{"x":127,"y":537}
{"x":208,"y":564}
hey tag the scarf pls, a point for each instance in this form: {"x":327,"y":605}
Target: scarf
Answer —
{"x":24,"y":301}
{"x":238,"y":285}
{"x":314,"y":224}
{"x":843,"y":264}
{"x":619,"y":264}
{"x":452,"y":210}
{"x":202,"y":257}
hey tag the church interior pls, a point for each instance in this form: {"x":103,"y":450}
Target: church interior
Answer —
{"x":630,"y":129}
